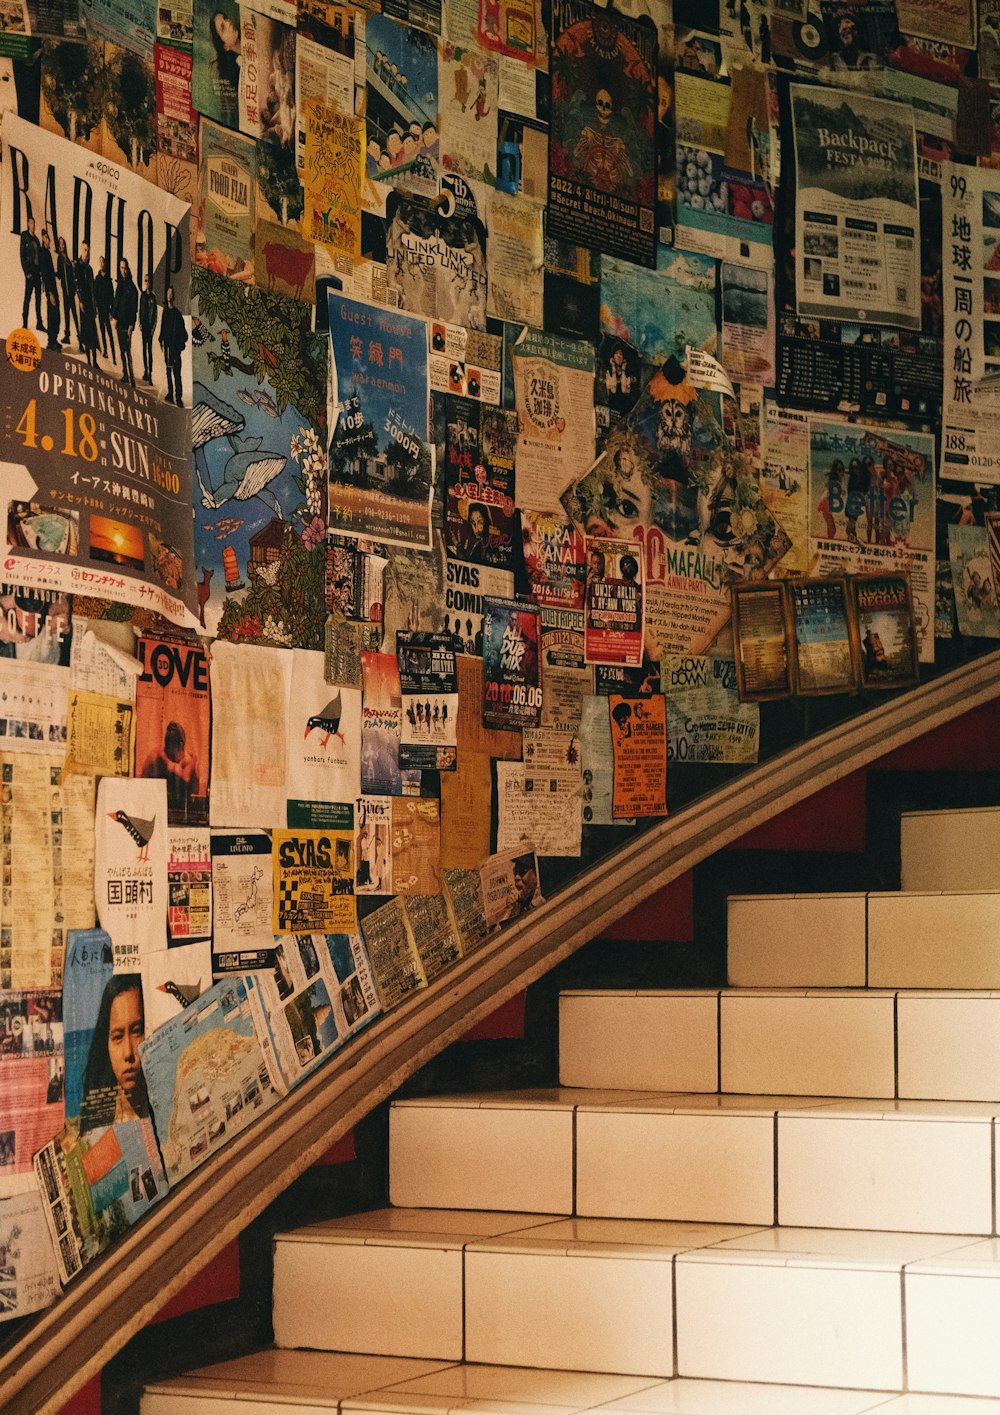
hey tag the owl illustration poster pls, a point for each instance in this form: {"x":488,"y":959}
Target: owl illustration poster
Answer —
{"x":602,"y":150}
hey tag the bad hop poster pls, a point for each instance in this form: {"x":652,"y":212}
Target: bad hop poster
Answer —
{"x":602,"y":153}
{"x":98,"y":442}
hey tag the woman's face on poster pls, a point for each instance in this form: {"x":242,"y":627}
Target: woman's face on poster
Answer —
{"x":126,"y":1029}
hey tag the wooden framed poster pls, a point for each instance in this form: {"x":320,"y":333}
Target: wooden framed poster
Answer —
{"x":763,"y":641}
{"x":825,"y":644}
{"x":882,"y":609}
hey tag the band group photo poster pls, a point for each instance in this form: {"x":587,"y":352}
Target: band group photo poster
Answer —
{"x":110,"y":514}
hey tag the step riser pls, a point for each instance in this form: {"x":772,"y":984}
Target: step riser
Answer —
{"x":915,"y":940}
{"x":901,"y":1046}
{"x":913,"y":1175}
{"x":798,"y":1323}
{"x":950,"y":849}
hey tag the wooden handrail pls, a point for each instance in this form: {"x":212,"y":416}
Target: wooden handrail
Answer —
{"x":60,"y":1349}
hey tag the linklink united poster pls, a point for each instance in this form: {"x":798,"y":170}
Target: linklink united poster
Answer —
{"x":97,"y":438}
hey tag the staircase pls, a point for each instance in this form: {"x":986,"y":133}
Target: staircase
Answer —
{"x":777,"y":1197}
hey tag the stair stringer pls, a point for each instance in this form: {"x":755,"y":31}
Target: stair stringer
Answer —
{"x":55,"y":1353}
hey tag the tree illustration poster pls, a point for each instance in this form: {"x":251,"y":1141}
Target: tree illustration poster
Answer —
{"x":602,"y":154}
{"x":381,"y":462}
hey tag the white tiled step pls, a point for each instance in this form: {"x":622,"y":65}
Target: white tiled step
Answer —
{"x":921,"y":1045}
{"x":300,"y":1382}
{"x":585,"y":1294}
{"x":915,"y":939}
{"x":908,"y":1165}
{"x":955,"y":849}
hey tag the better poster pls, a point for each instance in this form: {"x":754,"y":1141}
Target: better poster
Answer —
{"x":381,"y":463}
{"x":857,"y":226}
{"x":602,"y":156}
{"x":109,"y":515}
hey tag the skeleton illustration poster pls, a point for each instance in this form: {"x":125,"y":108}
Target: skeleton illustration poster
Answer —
{"x":333,"y":179}
{"x":602,"y":157}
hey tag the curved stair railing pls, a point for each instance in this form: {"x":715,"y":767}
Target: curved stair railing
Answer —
{"x":57,"y":1351}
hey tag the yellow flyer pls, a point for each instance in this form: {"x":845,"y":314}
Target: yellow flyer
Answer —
{"x":333,"y":178}
{"x":313,"y":881}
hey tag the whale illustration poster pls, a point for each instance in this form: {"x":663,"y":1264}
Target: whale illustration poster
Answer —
{"x":96,"y":451}
{"x":260,"y":465}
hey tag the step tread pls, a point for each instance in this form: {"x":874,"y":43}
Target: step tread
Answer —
{"x":659,"y":1239}
{"x":773,"y":990}
{"x":568,"y":1098}
{"x":371,"y":1383}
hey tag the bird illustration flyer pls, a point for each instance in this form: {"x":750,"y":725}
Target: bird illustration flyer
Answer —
{"x":324,"y":734}
{"x":99,"y":500}
{"x":313,"y":881}
{"x":130,"y":866}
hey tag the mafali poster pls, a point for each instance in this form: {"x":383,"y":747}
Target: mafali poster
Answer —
{"x":97,"y":444}
{"x":602,"y":152}
{"x":857,"y":223}
{"x":381,"y":463}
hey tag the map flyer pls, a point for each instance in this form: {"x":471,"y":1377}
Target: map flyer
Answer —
{"x":242,"y":894}
{"x":207,"y":1075}
{"x":98,"y":470}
